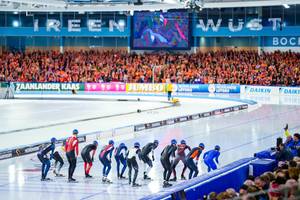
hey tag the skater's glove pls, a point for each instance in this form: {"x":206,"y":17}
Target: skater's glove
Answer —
{"x":153,"y":158}
{"x":92,"y":159}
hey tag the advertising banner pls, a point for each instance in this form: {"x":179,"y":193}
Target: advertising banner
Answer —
{"x":289,"y":91}
{"x":188,"y":87}
{"x":282,"y":41}
{"x":145,"y":87}
{"x":48,"y":86}
{"x":105,"y":87}
{"x":145,"y":126}
{"x":247,"y":89}
{"x":267,"y":90}
{"x":3,"y":85}
{"x":211,"y":88}
{"x":32,"y":148}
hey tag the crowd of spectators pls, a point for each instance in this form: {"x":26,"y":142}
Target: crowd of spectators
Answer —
{"x":283,"y":183}
{"x":240,"y":67}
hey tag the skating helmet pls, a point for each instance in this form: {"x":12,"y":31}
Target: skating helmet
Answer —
{"x":111,"y":142}
{"x":182,"y":142}
{"x":95,"y":143}
{"x":202,"y":145}
{"x":217,"y":147}
{"x":75,"y":131}
{"x":53,"y":140}
{"x":136,"y":144}
{"x":122,"y":145}
{"x":156,"y":142}
{"x":173,"y":142}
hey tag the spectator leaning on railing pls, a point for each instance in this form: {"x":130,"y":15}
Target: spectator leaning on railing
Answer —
{"x":292,"y":143}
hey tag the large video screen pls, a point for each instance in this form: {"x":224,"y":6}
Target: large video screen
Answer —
{"x":159,"y":30}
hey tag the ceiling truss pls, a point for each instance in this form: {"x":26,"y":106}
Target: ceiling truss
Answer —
{"x":118,"y":5}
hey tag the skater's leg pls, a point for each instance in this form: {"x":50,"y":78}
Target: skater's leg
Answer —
{"x":213,"y":165}
{"x":61,"y":164}
{"x":70,"y":163}
{"x":104,"y":166}
{"x":169,"y":169}
{"x":74,"y":167}
{"x":74,"y":162}
{"x":104,"y":170}
{"x":207,"y":163}
{"x":47,"y":167}
{"x":40,"y":157}
{"x":108,"y":168}
{"x":136,"y":170}
{"x":57,"y":158}
{"x":183,"y":170}
{"x":175,"y":163}
{"x":195,"y":169}
{"x":55,"y":166}
{"x":129,"y":170}
{"x":89,"y":166}
{"x":60,"y":161}
{"x":189,"y":165}
{"x":150,"y":165}
{"x":123,"y":161}
{"x":43,"y":170}
{"x":184,"y":166}
{"x":165,"y":169}
{"x":147,"y":167}
{"x":118,"y":165}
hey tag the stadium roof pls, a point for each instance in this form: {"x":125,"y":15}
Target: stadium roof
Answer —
{"x":128,"y":5}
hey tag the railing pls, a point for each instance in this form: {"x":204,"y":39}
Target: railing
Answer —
{"x":232,"y":175}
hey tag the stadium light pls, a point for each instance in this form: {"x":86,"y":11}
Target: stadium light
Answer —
{"x":285,"y":5}
{"x":15,"y":23}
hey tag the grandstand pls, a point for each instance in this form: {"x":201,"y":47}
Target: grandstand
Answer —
{"x":89,"y":79}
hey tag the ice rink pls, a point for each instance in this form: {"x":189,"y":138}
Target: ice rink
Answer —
{"x":240,"y":134}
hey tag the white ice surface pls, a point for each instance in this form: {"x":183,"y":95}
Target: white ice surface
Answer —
{"x":21,"y":114}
